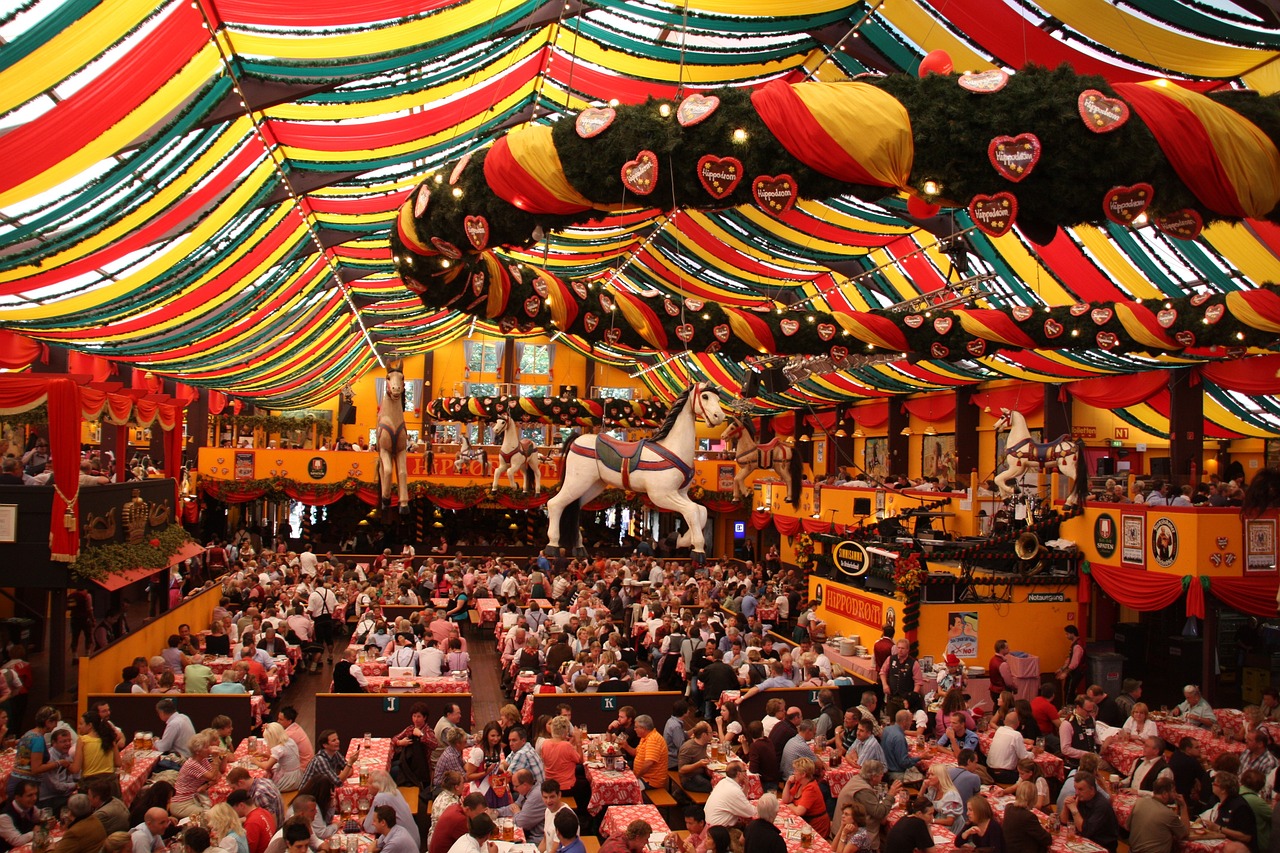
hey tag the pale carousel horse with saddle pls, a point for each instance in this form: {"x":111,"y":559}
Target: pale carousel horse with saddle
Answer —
{"x":1022,"y":453}
{"x":468,"y":454}
{"x":774,"y":455}
{"x":660,"y":467}
{"x":393,"y":440}
{"x":516,"y":455}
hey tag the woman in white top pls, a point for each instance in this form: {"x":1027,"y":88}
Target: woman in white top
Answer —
{"x":1140,"y":726}
{"x":283,"y":761}
{"x":941,"y":791}
{"x":388,"y":794}
{"x":227,"y":829}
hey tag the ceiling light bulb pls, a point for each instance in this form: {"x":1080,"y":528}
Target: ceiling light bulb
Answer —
{"x":739,"y":135}
{"x":439,"y":179}
{"x":1140,"y":220}
{"x":664,"y":110}
{"x":457,"y":192}
{"x":932,"y":188}
{"x":613,"y":102}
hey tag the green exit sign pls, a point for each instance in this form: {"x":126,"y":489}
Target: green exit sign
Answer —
{"x":1115,"y":442}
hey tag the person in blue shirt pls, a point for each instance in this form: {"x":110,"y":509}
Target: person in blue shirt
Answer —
{"x":777,"y":679}
{"x":958,"y":736}
{"x":897,"y":754}
{"x":567,"y":828}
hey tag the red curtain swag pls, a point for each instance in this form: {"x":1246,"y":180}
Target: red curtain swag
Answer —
{"x":1117,"y":392}
{"x":934,"y":409}
{"x":871,"y":416}
{"x":1255,"y":596}
{"x":1027,"y":399}
{"x":1256,"y":375}
{"x":17,"y":352}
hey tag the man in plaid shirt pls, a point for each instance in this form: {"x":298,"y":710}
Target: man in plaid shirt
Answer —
{"x":329,"y":761}
{"x":523,"y":756}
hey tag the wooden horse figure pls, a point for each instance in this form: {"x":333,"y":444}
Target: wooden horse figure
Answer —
{"x":516,"y":454}
{"x":660,"y":467}
{"x":393,"y":440}
{"x":773,"y":455}
{"x":468,"y":454}
{"x":1064,"y":454}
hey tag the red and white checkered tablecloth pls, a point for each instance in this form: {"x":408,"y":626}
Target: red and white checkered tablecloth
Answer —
{"x":417,"y":684}
{"x":525,"y":683}
{"x":930,"y":755}
{"x":612,"y":788}
{"x":373,"y":667}
{"x":1051,"y":765}
{"x":131,"y":782}
{"x":755,"y":790}
{"x":1232,"y":722}
{"x":7,"y":759}
{"x":488,"y":609}
{"x":616,"y":819}
{"x":440,"y":603}
{"x":375,"y":756}
{"x":945,"y":841}
{"x":1121,"y":753}
{"x":220,"y":790}
{"x":1211,"y":745}
{"x":1123,"y":802}
{"x":791,"y":825}
{"x":276,"y":678}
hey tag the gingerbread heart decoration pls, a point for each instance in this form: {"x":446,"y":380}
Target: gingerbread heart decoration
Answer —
{"x":477,"y":229}
{"x":1023,"y":313}
{"x":939,"y":351}
{"x":579,"y":288}
{"x":590,"y":321}
{"x":641,"y":174}
{"x":1215,"y":558}
{"x":685,"y":332}
{"x":423,"y":199}
{"x":1222,"y":543}
{"x":1107,"y":340}
{"x":1230,"y":559}
{"x":1014,"y":156}
{"x":1052,"y":328}
{"x":1122,"y":205}
{"x":721,"y":332}
{"x":507,"y":325}
{"x":1200,"y":299}
{"x":477,"y":283}
{"x":1101,"y":316}
{"x":532,"y":306}
{"x":613,"y":335}
{"x":694,"y":304}
{"x":1214,"y":313}
{"x":446,"y":248}
{"x":720,"y":176}
{"x":1184,"y":224}
{"x":763,"y":308}
{"x":839,"y":353}
{"x":984,"y":82}
{"x":775,"y":195}
{"x":606,"y":302}
{"x":1100,"y":113}
{"x":942,"y":325}
{"x":789,"y":327}
{"x":915,"y":321}
{"x":672,"y":309}
{"x":1079,"y":309}
{"x":976,"y":347}
{"x":696,"y":108}
{"x":540,"y":287}
{"x":413,"y":284}
{"x":714,"y":346}
{"x":994,"y":214}
{"x":516,"y":273}
{"x":1186,"y":338}
{"x":458,"y":167}
{"x":1166,"y":317}
{"x":826,"y":331}
{"x":594,"y":121}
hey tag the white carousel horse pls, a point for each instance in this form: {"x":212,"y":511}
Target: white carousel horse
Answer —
{"x":516,"y":455}
{"x":774,"y":455}
{"x":1063,"y":454}
{"x":660,"y":467}
{"x":393,"y":440}
{"x":468,"y":454}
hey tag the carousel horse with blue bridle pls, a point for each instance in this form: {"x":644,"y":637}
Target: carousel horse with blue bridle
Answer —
{"x":393,"y":440}
{"x":1023,"y":453}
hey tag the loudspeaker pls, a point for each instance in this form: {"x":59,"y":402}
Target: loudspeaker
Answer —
{"x":569,"y":391}
{"x":1105,"y":465}
{"x":346,"y":414}
{"x":862,"y":506}
{"x":939,"y":593}
{"x":1161,"y":466}
{"x":873,"y":583}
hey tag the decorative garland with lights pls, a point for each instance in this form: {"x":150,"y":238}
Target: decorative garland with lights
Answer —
{"x":280,"y":424}
{"x":97,"y":562}
{"x":549,"y":410}
{"x":1076,"y":151}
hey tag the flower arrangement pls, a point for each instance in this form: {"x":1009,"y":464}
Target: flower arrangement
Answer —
{"x":908,"y":574}
{"x":804,"y":551}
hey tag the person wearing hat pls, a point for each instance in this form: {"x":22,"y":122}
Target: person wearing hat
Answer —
{"x":953,"y":676}
{"x":1130,"y":694}
{"x":404,"y":655}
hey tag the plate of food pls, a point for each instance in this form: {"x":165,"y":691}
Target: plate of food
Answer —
{"x":1081,"y":846}
{"x":718,"y":766}
{"x":401,"y":682}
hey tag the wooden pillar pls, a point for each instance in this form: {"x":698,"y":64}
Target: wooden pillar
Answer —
{"x":1186,"y":426}
{"x":966,"y":434}
{"x":899,"y":444}
{"x":842,"y":454}
{"x":508,"y":368}
{"x":56,"y":647}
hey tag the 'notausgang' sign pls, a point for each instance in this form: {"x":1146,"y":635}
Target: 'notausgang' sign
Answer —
{"x":851,"y":558}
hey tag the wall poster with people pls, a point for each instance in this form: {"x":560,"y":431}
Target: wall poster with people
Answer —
{"x":962,"y":634}
{"x":938,"y":456}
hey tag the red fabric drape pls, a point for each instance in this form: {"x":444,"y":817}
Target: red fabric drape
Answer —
{"x":1256,"y":375}
{"x":1118,"y":392}
{"x":174,"y":444}
{"x":1136,"y":588}
{"x":822,"y":420}
{"x":816,"y":525}
{"x":787,"y":525}
{"x":510,"y":182}
{"x":1027,"y":399}
{"x":1255,"y":596}
{"x":935,"y":409}
{"x":217,"y":402}
{"x":1195,"y":598}
{"x":721,"y":507}
{"x":761,"y":520}
{"x":871,"y":416}
{"x":783,"y":425}
{"x":92,"y":365}
{"x":185,"y":394}
{"x":20,"y":394}
{"x":64,"y":452}
{"x":17,"y":352}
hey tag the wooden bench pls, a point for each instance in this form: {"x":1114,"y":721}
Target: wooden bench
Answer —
{"x":591,"y":843}
{"x":287,"y":798}
{"x":411,"y":797}
{"x":694,"y":796}
{"x":660,"y":798}
{"x":570,"y":802}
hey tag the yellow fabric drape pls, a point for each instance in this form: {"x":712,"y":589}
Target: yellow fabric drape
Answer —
{"x":868,"y":123}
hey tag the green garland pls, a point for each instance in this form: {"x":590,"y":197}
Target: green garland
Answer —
{"x":549,"y":410}
{"x":281,"y":423}
{"x":97,"y":562}
{"x":36,"y":416}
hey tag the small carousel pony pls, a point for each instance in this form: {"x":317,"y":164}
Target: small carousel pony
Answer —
{"x":773,"y":455}
{"x":393,"y":440}
{"x":516,"y":455}
{"x":468,"y":454}
{"x":660,"y":467}
{"x":1063,"y":454}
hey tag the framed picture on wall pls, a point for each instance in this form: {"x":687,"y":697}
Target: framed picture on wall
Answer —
{"x":875,"y":457}
{"x":1133,"y":541}
{"x":938,"y":456}
{"x":1260,"y":546}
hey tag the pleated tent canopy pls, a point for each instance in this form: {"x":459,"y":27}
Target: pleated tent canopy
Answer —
{"x":206,"y":189}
